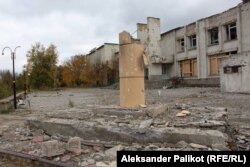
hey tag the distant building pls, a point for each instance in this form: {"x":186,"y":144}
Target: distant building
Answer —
{"x":103,"y":54}
{"x":105,"y":61}
{"x":192,"y":52}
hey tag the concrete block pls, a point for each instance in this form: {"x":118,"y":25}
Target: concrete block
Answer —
{"x":156,"y":111}
{"x":74,"y":145}
{"x":52,"y":148}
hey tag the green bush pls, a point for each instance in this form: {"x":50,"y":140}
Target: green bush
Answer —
{"x":3,"y":92}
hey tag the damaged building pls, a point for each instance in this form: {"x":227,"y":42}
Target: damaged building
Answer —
{"x":193,"y":52}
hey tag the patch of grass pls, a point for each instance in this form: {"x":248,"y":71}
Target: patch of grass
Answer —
{"x":7,"y":111}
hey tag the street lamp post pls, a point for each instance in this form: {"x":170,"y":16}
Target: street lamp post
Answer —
{"x":25,"y":79}
{"x":13,"y":54}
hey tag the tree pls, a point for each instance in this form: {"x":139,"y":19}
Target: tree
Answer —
{"x":42,"y":66}
{"x":5,"y":83}
{"x":72,"y":70}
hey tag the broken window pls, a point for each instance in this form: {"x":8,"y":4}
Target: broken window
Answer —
{"x":181,"y":45}
{"x":192,"y":41}
{"x":231,"y":69}
{"x":213,"y":36}
{"x":188,"y":68}
{"x":231,"y":31}
{"x":214,"y":64}
{"x":164,"y":69}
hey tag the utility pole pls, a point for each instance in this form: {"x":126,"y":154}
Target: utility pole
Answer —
{"x":13,"y":56}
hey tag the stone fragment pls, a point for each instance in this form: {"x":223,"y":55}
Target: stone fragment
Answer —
{"x":91,"y":161}
{"x":113,"y":164}
{"x":220,"y":147}
{"x":146,"y":124}
{"x":182,"y":144}
{"x":112,"y":152}
{"x":193,"y":145}
{"x":183,"y":113}
{"x":36,"y":153}
{"x":52,"y":148}
{"x":143,"y":106}
{"x":37,"y":139}
{"x":180,"y":114}
{"x":83,"y":163}
{"x":151,"y":147}
{"x":186,"y":112}
{"x":216,"y":108}
{"x":65,"y":158}
{"x":182,"y":106}
{"x":101,"y":164}
{"x":156,"y":111}
{"x":74,"y":145}
{"x":98,"y":156}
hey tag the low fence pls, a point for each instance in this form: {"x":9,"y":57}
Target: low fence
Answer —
{"x":8,"y":103}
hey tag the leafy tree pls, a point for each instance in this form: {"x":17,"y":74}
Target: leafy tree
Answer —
{"x":72,"y":70}
{"x":42,"y":65}
{"x":5,"y":83}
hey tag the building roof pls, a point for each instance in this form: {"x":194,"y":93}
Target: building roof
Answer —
{"x":175,"y":29}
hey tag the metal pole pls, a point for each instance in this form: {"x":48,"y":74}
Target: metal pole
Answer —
{"x":14,"y":76}
{"x":14,"y":79}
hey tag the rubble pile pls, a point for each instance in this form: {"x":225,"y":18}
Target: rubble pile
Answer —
{"x":90,"y":136}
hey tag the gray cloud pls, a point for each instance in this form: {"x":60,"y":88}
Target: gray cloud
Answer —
{"x":76,"y":26}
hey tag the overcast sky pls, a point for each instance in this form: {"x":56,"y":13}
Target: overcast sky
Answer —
{"x":77,"y":26}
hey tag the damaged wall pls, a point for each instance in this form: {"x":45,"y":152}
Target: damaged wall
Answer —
{"x":177,"y":43}
{"x":149,"y":36}
{"x":235,"y":73}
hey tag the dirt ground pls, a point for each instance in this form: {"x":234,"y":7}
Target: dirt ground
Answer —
{"x":15,"y":133}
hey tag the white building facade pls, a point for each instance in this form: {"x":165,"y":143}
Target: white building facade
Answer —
{"x":192,"y":52}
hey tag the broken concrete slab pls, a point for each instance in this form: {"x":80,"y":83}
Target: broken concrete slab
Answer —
{"x":128,"y":134}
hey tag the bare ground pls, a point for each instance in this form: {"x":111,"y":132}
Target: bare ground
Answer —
{"x":14,"y":130}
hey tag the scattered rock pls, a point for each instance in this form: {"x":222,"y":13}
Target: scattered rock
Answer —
{"x":182,"y":106}
{"x":220,"y":147}
{"x":182,"y":144}
{"x":142,"y":106}
{"x":216,"y":108}
{"x":90,"y":161}
{"x":83,"y":163}
{"x":56,"y":159}
{"x":98,"y":156}
{"x":65,"y":158}
{"x":183,"y":113}
{"x":186,"y":112}
{"x":113,"y":164}
{"x":193,"y":145}
{"x":146,"y":124}
{"x":151,"y":147}
{"x":74,"y":145}
{"x":37,"y":139}
{"x":167,"y":124}
{"x":36,"y":153}
{"x":156,"y":111}
{"x":112,"y":152}
{"x":101,"y":164}
{"x":52,"y":148}
{"x":180,"y":115}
